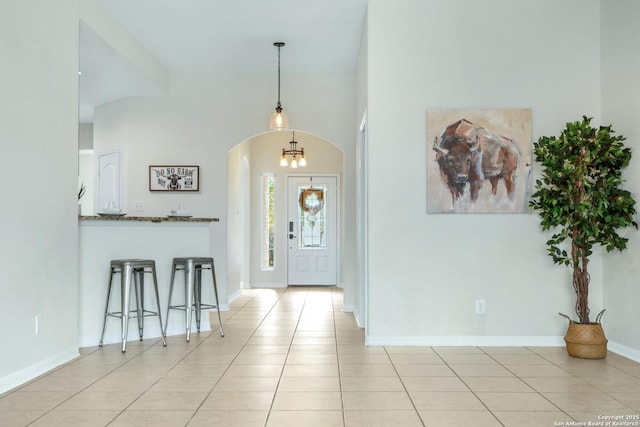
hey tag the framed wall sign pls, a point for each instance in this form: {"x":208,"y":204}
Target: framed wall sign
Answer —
{"x":174,"y":178}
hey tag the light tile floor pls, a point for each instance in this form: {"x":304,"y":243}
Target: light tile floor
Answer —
{"x":293,"y":358}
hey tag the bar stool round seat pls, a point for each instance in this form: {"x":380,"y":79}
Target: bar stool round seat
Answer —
{"x":192,"y":268}
{"x":132,"y":270}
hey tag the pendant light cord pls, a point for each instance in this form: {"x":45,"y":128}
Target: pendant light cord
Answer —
{"x":279,"y":45}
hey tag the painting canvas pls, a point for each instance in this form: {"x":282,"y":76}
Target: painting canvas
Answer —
{"x":479,"y":161}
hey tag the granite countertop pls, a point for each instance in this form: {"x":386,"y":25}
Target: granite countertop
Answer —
{"x":145,"y":218}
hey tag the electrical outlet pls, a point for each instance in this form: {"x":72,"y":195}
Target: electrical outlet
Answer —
{"x":138,"y":206}
{"x":481,"y":307}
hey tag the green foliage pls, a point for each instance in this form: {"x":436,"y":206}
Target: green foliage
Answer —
{"x":579,"y":196}
{"x":81,"y":191}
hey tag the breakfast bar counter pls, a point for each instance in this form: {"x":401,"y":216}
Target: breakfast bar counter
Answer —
{"x":147,"y":218}
{"x":109,"y":237}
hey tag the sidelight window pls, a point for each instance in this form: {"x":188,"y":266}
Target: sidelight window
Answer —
{"x":268,"y":221}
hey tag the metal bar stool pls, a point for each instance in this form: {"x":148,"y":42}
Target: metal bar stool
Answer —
{"x":128,"y":269}
{"x":192,"y":268}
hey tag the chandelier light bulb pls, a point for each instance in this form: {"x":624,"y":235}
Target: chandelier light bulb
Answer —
{"x":297,"y":156}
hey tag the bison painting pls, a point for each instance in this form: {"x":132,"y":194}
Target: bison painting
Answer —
{"x":470,"y":154}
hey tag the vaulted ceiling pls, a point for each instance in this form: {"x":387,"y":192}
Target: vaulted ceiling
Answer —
{"x":220,"y":37}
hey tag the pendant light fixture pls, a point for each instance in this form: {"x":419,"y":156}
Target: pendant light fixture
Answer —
{"x":297,"y":156}
{"x":279,"y":119}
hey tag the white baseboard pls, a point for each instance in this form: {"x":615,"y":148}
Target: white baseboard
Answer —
{"x":278,"y":286}
{"x":268,"y":285}
{"x":231,"y":298}
{"x":623,"y":350}
{"x":30,"y":372}
{"x":491,"y":341}
{"x":356,"y":315}
{"x":475,"y":341}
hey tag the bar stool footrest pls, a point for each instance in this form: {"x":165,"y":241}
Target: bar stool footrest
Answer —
{"x":193,"y":307}
{"x":133,"y":314}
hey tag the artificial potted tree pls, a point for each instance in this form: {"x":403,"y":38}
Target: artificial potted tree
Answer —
{"x":580,"y":199}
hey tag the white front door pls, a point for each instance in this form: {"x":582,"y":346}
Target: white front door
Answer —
{"x":312,"y":230}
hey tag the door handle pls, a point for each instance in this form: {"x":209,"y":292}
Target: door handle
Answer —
{"x":291,"y":236}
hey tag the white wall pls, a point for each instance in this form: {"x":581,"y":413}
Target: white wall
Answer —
{"x":426,"y":271}
{"x":238,"y":214}
{"x":621,"y":107}
{"x":86,"y":165}
{"x":38,"y":222}
{"x":95,"y":15}
{"x":361,"y":172}
{"x":201,"y":120}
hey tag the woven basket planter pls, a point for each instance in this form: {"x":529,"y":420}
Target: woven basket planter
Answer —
{"x":586,"y":341}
